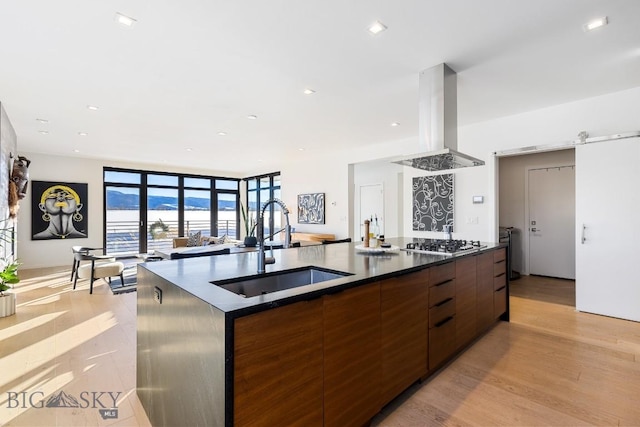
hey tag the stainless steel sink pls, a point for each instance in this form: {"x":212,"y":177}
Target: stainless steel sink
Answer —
{"x":252,"y":286}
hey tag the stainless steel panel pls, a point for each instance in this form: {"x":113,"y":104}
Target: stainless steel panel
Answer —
{"x":263,"y":284}
{"x":180,"y":355}
{"x":438,"y":123}
{"x":437,"y":113}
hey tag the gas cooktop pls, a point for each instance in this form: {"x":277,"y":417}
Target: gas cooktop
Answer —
{"x":443,"y":246}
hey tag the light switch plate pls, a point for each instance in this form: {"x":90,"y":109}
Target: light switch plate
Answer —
{"x":478,"y":199}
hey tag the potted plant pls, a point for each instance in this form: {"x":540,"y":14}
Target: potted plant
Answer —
{"x":250,"y":239}
{"x":8,"y":276}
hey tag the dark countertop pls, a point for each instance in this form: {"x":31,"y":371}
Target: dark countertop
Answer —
{"x":208,"y":250}
{"x":194,"y":275}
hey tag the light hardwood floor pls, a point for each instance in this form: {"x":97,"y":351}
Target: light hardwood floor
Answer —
{"x":548,"y":366}
{"x":70,"y":341}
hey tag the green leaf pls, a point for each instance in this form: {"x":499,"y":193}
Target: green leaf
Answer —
{"x":249,"y":229}
{"x":9,"y":275}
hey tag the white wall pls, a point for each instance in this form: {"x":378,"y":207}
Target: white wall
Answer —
{"x":599,"y":116}
{"x":513,"y":172}
{"x":470,"y":220}
{"x":320,"y":177}
{"x":47,"y":253}
{"x":390,"y":176}
{"x":603,"y":115}
{"x":329,"y":172}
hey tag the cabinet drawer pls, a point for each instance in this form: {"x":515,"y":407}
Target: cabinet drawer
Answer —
{"x":499,"y":268}
{"x":499,"y":302}
{"x":499,"y":281}
{"x":439,"y":313}
{"x":499,"y":255}
{"x":442,"y":342}
{"x":442,"y":273}
{"x":441,"y":292}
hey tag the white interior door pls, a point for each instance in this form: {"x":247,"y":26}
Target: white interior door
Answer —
{"x":607,"y":205}
{"x":552,"y":222}
{"x":371,"y":205}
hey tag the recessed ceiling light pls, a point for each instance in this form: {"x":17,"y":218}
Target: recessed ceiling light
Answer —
{"x":124,"y":20}
{"x":222,"y":133}
{"x":189,"y":149}
{"x":252,"y":117}
{"x":377,"y":27}
{"x":76,"y":151}
{"x":395,"y":124}
{"x":300,"y":149}
{"x":44,"y":132}
{"x":42,"y":120}
{"x":92,"y":107}
{"x":309,"y":91}
{"x":596,"y":23}
{"x":83,"y":133}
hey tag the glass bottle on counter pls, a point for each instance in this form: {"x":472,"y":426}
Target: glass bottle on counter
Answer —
{"x":374,"y":234}
{"x":379,"y":229}
{"x":376,"y":228}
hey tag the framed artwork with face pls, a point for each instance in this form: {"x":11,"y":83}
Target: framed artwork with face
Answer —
{"x":58,"y":210}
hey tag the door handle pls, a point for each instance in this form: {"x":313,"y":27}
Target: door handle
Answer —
{"x":583,"y":238}
{"x":535,"y":230}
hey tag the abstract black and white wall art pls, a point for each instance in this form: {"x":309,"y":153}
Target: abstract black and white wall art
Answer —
{"x":311,"y":208}
{"x":432,"y":202}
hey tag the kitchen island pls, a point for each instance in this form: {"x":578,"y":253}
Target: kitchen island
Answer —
{"x":332,"y":353}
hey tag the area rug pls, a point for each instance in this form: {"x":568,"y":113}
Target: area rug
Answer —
{"x":130,"y":282}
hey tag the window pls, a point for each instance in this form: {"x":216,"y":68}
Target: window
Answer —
{"x":145,"y":210}
{"x":259,"y":190}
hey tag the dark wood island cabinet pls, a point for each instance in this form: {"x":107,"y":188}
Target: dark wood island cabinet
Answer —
{"x":331,"y":356}
{"x":352,"y":357}
{"x":442,"y":313}
{"x":405,"y":328}
{"x":278,"y":373}
{"x":484,"y":291}
{"x":466,"y":300}
{"x":500,"y":280}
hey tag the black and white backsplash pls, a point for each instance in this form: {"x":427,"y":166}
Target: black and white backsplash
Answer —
{"x":432,"y":202}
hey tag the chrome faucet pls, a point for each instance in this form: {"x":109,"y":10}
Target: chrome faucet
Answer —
{"x":262,"y":259}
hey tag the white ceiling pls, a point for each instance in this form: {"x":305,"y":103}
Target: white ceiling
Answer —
{"x":192,"y":68}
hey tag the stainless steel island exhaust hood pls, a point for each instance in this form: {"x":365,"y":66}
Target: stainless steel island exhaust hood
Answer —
{"x":438,"y":123}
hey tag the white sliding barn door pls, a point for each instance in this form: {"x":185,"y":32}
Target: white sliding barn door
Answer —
{"x":607,"y":228}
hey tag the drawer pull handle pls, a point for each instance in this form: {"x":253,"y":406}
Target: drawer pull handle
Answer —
{"x":442,"y":322}
{"x":443,"y":302}
{"x":500,"y":275}
{"x":501,"y":288}
{"x":445,"y":282}
{"x":499,"y":261}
